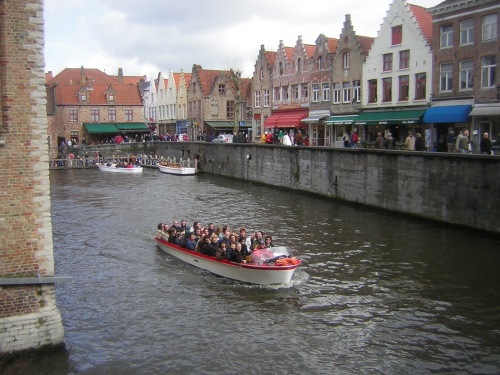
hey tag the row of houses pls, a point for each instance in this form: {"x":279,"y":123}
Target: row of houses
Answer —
{"x":428,"y":70}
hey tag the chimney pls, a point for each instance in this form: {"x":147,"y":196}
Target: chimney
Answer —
{"x":120,"y":75}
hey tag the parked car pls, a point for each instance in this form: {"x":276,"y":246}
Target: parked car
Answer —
{"x":223,"y":138}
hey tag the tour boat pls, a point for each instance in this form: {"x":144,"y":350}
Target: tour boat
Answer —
{"x":111,"y":167}
{"x":177,"y":169}
{"x":279,"y":270}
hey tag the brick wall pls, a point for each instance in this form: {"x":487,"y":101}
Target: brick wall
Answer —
{"x":26,"y":249}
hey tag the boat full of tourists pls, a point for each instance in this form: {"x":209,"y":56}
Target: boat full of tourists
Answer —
{"x":276,"y":268}
{"x":119,"y":168}
{"x":176,"y":168}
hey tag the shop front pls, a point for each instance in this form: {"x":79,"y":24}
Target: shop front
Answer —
{"x":341,"y":125}
{"x":317,"y":131}
{"x":288,"y":120}
{"x":486,"y":119}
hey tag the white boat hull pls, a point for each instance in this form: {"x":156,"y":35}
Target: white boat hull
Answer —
{"x":113,"y":168}
{"x":246,"y":272}
{"x":183,"y":171}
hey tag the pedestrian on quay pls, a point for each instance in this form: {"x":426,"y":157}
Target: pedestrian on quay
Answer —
{"x":485,"y":145}
{"x":380,"y":142}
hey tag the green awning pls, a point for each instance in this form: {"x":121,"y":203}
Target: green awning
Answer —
{"x":342,"y":120}
{"x":221,"y":124}
{"x":132,"y":127}
{"x":390,"y":117}
{"x":100,"y":128}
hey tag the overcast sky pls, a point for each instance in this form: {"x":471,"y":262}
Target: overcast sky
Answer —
{"x":145,"y":37}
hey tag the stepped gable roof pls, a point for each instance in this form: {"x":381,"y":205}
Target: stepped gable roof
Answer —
{"x":207,"y":78}
{"x":177,"y":78}
{"x":366,"y":42}
{"x":270,"y":57}
{"x":246,"y":88}
{"x":424,"y":20}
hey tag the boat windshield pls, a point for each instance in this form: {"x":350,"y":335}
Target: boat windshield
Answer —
{"x":261,"y":256}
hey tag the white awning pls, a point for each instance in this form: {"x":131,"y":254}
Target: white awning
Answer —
{"x":316,"y":117}
{"x":487,"y":110}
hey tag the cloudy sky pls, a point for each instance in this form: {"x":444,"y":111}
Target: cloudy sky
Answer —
{"x":145,"y":37}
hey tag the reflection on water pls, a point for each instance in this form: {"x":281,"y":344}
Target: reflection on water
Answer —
{"x":377,"y":293}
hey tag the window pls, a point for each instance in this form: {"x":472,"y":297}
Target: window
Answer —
{"x":111,"y":97}
{"x":83,"y":96}
{"x":129,"y":115}
{"x":284,"y":93}
{"x":490,"y":27}
{"x":111,"y":115}
{"x":420,"y":85}
{"x":295,"y":93}
{"x":281,"y":68}
{"x":446,"y":36}
{"x":387,"y":87}
{"x":315,"y":92}
{"x":214,"y":107}
{"x":73,"y":115}
{"x":304,"y":94}
{"x":445,"y":77}
{"x":404,"y":59}
{"x":261,"y":73}
{"x":222,"y":88}
{"x":488,"y":70}
{"x":466,"y":32}
{"x":356,"y":91}
{"x":346,"y":92}
{"x":387,"y":62}
{"x":336,"y":93}
{"x":466,"y":74}
{"x":266,"y":97}
{"x":257,"y":99}
{"x":404,"y":87}
{"x":326,"y":92}
{"x":345,"y":60}
{"x":397,"y":35}
{"x":73,"y":134}
{"x":94,"y":115}
{"x":299,"y":65}
{"x":230,"y":109}
{"x":320,"y":62}
{"x":277,"y":92}
{"x":372,"y":91}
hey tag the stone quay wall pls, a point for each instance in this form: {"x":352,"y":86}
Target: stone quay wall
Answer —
{"x":452,"y":188}
{"x":29,"y":318}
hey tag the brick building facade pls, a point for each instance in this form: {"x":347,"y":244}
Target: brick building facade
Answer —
{"x":29,"y":318}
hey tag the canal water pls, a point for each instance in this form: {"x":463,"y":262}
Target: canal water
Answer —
{"x":378,"y":292}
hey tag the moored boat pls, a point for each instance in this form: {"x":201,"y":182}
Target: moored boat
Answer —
{"x":178,"y":169}
{"x":112,"y":167}
{"x":278,"y":270}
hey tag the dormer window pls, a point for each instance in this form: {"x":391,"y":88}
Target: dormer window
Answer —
{"x":83,"y":96}
{"x":111,"y":97}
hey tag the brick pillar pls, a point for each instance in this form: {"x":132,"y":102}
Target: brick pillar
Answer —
{"x":29,"y":318}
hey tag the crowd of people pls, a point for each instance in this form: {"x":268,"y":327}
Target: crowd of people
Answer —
{"x":220,"y":242}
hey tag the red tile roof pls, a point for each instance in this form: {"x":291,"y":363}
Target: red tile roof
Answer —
{"x":332,"y":44}
{"x":424,"y":20}
{"x":270,"y":57}
{"x":309,"y":49}
{"x":69,"y":83}
{"x":366,"y":42}
{"x":289,"y":52}
{"x":131,"y":80}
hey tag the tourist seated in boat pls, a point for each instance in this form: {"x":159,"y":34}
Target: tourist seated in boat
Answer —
{"x":225,"y":238}
{"x":159,"y":232}
{"x":206,"y":248}
{"x":211,"y":228}
{"x":256,"y":238}
{"x":130,"y":165}
{"x":269,"y":242}
{"x":191,"y":241}
{"x":233,"y":252}
{"x":214,"y":240}
{"x":224,"y":229}
{"x":261,"y":254}
{"x":220,"y":253}
{"x":196,"y":225}
{"x":244,"y":248}
{"x":201,"y":241}
{"x":172,"y":238}
{"x":183,"y":227}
